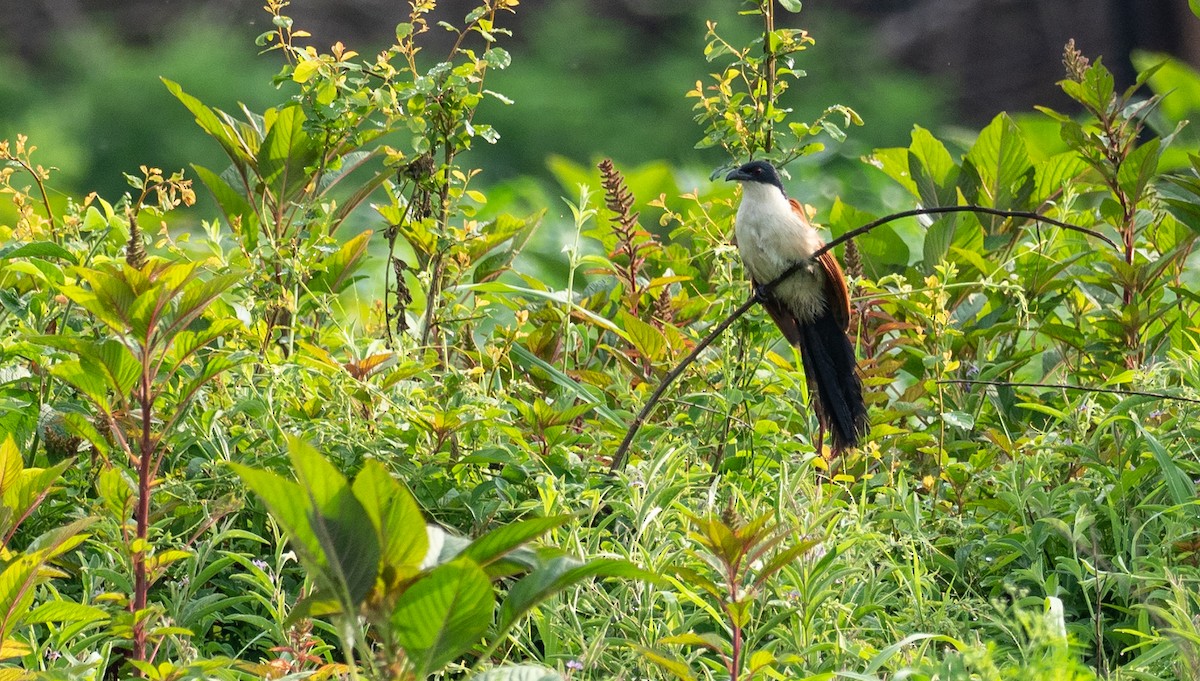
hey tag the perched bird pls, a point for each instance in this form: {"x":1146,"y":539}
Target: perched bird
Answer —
{"x":812,"y":307}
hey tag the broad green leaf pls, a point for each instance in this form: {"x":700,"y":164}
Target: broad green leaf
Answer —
{"x":86,"y":380}
{"x":285,"y":153}
{"x":107,"y":300}
{"x":495,"y":544}
{"x":791,"y":5}
{"x":647,"y":339}
{"x":117,"y":492}
{"x":894,"y":163}
{"x":198,"y":295}
{"x":882,"y":249}
{"x":393,"y":510}
{"x":20,"y":575}
{"x":932,"y":168}
{"x":1055,"y":172}
{"x":1002,"y":160}
{"x":289,"y":505}
{"x":938,"y":239}
{"x":10,"y":648}
{"x":32,"y":486}
{"x":208,"y":121}
{"x":305,"y":70}
{"x":239,"y":214}
{"x":1139,"y":168}
{"x":349,"y":546}
{"x":443,"y":614}
{"x":64,"y":611}
{"x":558,"y":574}
{"x":38,"y":249}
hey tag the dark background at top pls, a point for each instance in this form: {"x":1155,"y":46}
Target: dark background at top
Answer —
{"x":589,"y":77}
{"x":997,"y":54}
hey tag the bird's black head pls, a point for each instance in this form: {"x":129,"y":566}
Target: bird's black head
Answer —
{"x":757,"y":171}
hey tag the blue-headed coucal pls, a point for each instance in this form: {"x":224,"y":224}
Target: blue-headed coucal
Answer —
{"x":812,"y":307}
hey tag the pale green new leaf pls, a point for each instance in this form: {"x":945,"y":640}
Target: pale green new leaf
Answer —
{"x":11,"y":464}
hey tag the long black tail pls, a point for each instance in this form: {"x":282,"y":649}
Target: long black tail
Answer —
{"x":831,"y":367}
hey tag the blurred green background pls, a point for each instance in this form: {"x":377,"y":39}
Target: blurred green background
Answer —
{"x":588,"y":79}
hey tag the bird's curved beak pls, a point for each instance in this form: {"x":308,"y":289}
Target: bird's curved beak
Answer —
{"x":736,"y":175}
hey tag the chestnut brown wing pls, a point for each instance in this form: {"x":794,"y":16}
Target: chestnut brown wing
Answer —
{"x":837,"y":296}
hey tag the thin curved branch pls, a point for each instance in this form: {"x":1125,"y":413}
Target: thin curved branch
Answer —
{"x":1080,"y":388}
{"x":618,"y":460}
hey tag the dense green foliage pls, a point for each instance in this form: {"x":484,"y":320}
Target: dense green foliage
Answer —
{"x":219,"y":462}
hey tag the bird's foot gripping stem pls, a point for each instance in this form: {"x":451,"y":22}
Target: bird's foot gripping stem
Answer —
{"x":762,"y":295}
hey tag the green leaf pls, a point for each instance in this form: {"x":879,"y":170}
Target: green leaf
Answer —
{"x":674,"y":666}
{"x":337,"y":270}
{"x":20,"y":575}
{"x":1052,"y":174}
{"x":285,"y":153}
{"x":117,"y":492}
{"x":349,"y":548}
{"x":573,"y":387}
{"x":1179,"y":486}
{"x":239,"y":214}
{"x":495,"y":544}
{"x":64,"y":611}
{"x":882,"y":248}
{"x":208,"y":121}
{"x":558,"y":574}
{"x":933,"y":157}
{"x":887,"y":653}
{"x":86,"y":380}
{"x":393,"y":510}
{"x":289,"y":506}
{"x":791,"y":5}
{"x":11,"y":464}
{"x":1139,"y":167}
{"x":938,"y":239}
{"x":443,"y":614}
{"x":1002,"y":160}
{"x":305,"y":70}
{"x":894,"y":163}
{"x":199,"y":295}
{"x":46,"y":250}
{"x":646,"y":338}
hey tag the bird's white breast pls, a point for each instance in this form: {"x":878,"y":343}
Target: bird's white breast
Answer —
{"x":771,"y":237}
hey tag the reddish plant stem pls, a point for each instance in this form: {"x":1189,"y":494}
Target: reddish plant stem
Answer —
{"x":146,"y":470}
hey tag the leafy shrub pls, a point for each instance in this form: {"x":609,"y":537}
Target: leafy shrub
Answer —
{"x":1024,"y":506}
